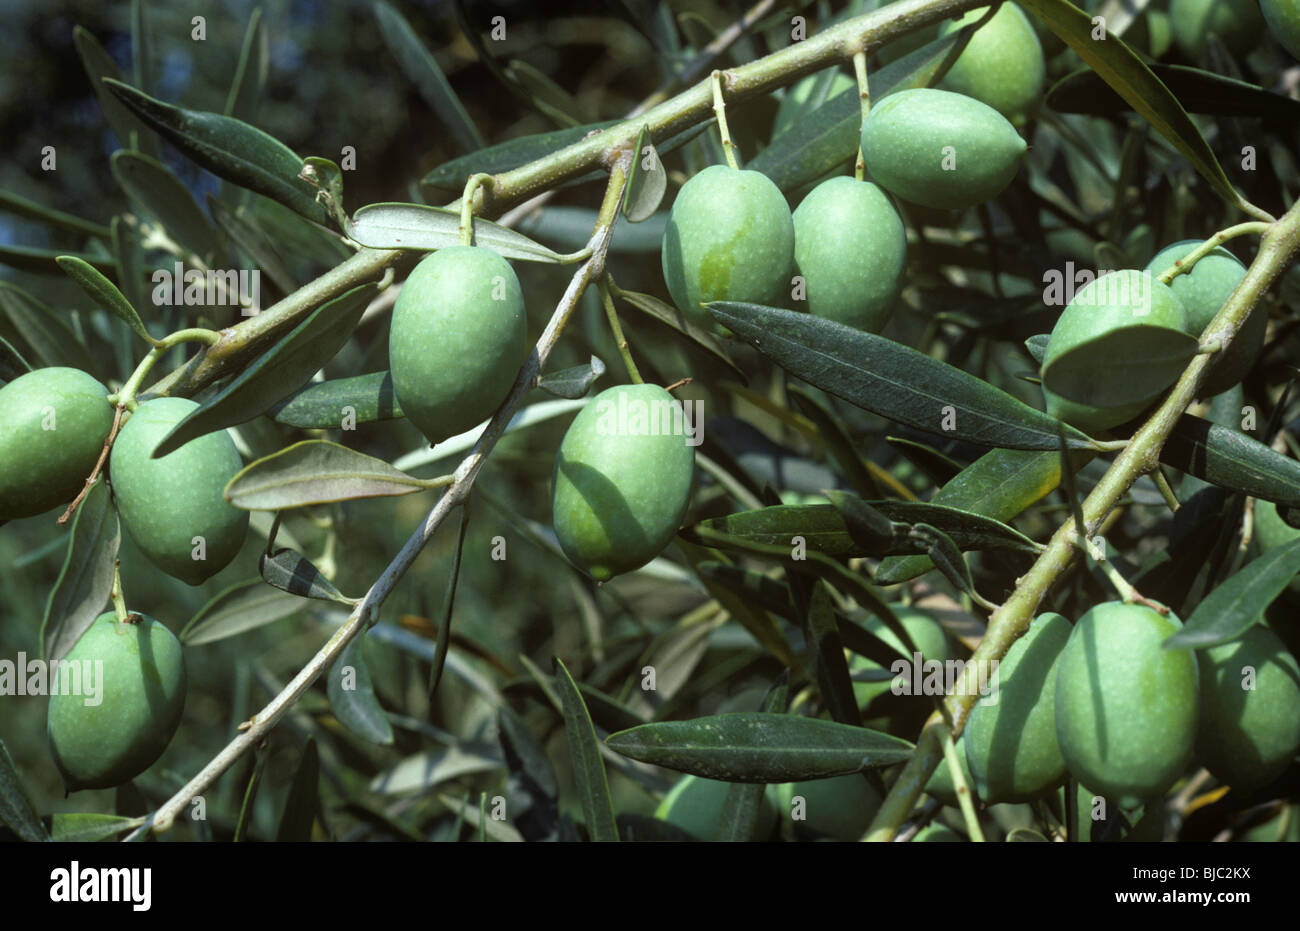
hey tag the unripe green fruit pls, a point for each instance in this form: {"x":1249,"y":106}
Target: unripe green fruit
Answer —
{"x":730,"y":237}
{"x":851,"y":249}
{"x":1002,"y":64}
{"x":1250,"y":726}
{"x":940,"y":149}
{"x":458,"y":339}
{"x":1087,"y":418}
{"x":142,"y":682}
{"x":1127,"y":322}
{"x":1237,"y":23}
{"x":927,"y":633}
{"x":622,"y":480}
{"x":1203,"y":292}
{"x":1126,"y":709}
{"x":840,"y":808}
{"x":802,"y":93}
{"x":1283,"y":18}
{"x":53,"y":423}
{"x":1011,"y":745}
{"x":167,"y":503}
{"x":937,"y":834}
{"x":695,"y":805}
{"x":941,"y":786}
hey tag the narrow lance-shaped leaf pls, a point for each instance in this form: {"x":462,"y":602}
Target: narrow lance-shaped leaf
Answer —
{"x":229,"y":148}
{"x":88,"y":827}
{"x":153,"y":186}
{"x":31,"y":210}
{"x":1231,"y":459}
{"x":1197,"y":91}
{"x":744,"y":800}
{"x":304,"y":798}
{"x":352,"y":696}
{"x":828,"y":658}
{"x":505,"y":156}
{"x":246,"y":234}
{"x":416,"y":226}
{"x":42,"y":261}
{"x":278,"y":372}
{"x":544,"y":94}
{"x":12,"y":363}
{"x":249,"y":83}
{"x":1228,"y":611}
{"x":339,"y":402}
{"x":240,"y":608}
{"x":292,"y":572}
{"x":572,"y":382}
{"x":673,"y":318}
{"x":86,"y":579}
{"x":38,"y":328}
{"x":891,"y":379}
{"x":588,"y":768}
{"x":104,"y":293}
{"x":130,"y":130}
{"x":646,"y":182}
{"x":837,"y":442}
{"x":448,"y":604}
{"x":16,"y":809}
{"x":316,"y":472}
{"x":760,"y":747}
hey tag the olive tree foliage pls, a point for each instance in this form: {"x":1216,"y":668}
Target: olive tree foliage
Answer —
{"x":934,"y":469}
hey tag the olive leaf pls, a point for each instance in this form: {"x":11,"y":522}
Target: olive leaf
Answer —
{"x":316,"y":472}
{"x":505,"y":156}
{"x":416,"y":226}
{"x":646,"y":182}
{"x":543,"y":93}
{"x":128,"y":260}
{"x":572,"y":382}
{"x":12,"y":364}
{"x":352,"y":696}
{"x":1234,"y":606}
{"x":304,"y":798}
{"x":292,"y":572}
{"x":104,"y":293}
{"x":88,"y":827}
{"x":671,"y":317}
{"x":1084,"y":91}
{"x":588,"y":768}
{"x":279,"y":371}
{"x":43,"y":261}
{"x":31,"y":210}
{"x":238,"y":609}
{"x":329,"y":404}
{"x":829,"y":666}
{"x":229,"y":148}
{"x":1231,"y":459}
{"x":249,"y":82}
{"x":937,"y":467}
{"x":738,"y":819}
{"x":86,"y":579}
{"x":248,"y":236}
{"x":153,"y":187}
{"x":760,"y":747}
{"x":131,"y":132}
{"x":891,"y":379}
{"x":837,"y":441}
{"x":16,"y":809}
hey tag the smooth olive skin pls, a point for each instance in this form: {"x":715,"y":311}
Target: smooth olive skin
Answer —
{"x":1203,"y":292}
{"x":621,"y":489}
{"x":1248,"y":737}
{"x":1088,"y":418}
{"x":1098,"y":326}
{"x":926,"y":632}
{"x":1237,"y":23}
{"x":41,"y":468}
{"x":695,"y":805}
{"x":940,"y":149}
{"x":1126,"y":709}
{"x":143,"y":683}
{"x":1011,"y":746}
{"x":165,"y":503}
{"x":458,"y":339}
{"x":802,"y":91}
{"x":1283,"y":18}
{"x":730,"y":237}
{"x":851,"y":249}
{"x":1002,"y":64}
{"x":840,"y":808}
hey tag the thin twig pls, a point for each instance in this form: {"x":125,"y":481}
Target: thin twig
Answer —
{"x":99,"y":465}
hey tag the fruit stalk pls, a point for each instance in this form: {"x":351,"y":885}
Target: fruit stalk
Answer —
{"x":1141,"y":456}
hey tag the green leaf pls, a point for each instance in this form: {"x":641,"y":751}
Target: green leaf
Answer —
{"x":415,"y":226}
{"x":86,"y":580}
{"x":12,"y":364}
{"x":573,"y":382}
{"x":326,"y":405}
{"x":588,"y":769}
{"x":525,"y":756}
{"x":837,"y":441}
{"x":760,"y":747}
{"x":506,"y":156}
{"x":946,"y":557}
{"x":142,"y":64}
{"x":229,"y":148}
{"x":448,"y":604}
{"x":1231,"y":459}
{"x":16,"y":809}
{"x":42,"y":261}
{"x":278,"y":372}
{"x":1037,"y":346}
{"x":1119,"y":67}
{"x":543,"y":93}
{"x":422,"y":70}
{"x":131,"y":132}
{"x":646,"y":182}
{"x":891,"y":379}
{"x":88,"y":827}
{"x":292,"y":572}
{"x":1234,"y":606}
{"x":104,"y":293}
{"x":249,"y":83}
{"x":304,"y":798}
{"x":316,"y":472}
{"x":673,"y":318}
{"x":128,"y":259}
{"x":829,"y":664}
{"x":528,"y":416}
{"x":240,"y":608}
{"x":937,"y":467}
{"x":423,"y":771}
{"x":160,"y":194}
{"x":1198,"y":91}
{"x":22,"y":207}
{"x":352,"y":696}
{"x":244,"y":231}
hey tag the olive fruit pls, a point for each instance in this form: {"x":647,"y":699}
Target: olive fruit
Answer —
{"x":1250,"y":709}
{"x":840,"y":807}
{"x":1126,"y":709}
{"x":850,"y":248}
{"x":940,"y":149}
{"x":1283,"y":18}
{"x":1088,"y":418}
{"x":1237,"y":23}
{"x":1203,"y":291}
{"x":622,"y":479}
{"x":53,"y":423}
{"x":1010,"y":737}
{"x":941,"y":786}
{"x":810,"y":92}
{"x":1002,"y":64}
{"x":730,"y":237}
{"x":937,"y":834}
{"x":926,"y":632}
{"x":458,"y":339}
{"x":102,"y":740}
{"x":1101,"y":819}
{"x":1120,"y":341}
{"x":695,"y":805}
{"x":173,"y":507}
